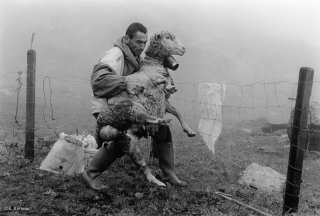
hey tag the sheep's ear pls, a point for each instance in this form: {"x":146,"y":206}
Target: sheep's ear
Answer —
{"x":156,"y":39}
{"x":157,"y":36}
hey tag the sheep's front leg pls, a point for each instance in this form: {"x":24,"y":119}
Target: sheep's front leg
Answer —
{"x":136,"y":156}
{"x":172,"y":110}
{"x":156,"y":120}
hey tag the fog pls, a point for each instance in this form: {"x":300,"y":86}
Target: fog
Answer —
{"x":238,"y":42}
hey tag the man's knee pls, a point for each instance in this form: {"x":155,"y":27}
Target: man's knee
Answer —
{"x":109,"y":133}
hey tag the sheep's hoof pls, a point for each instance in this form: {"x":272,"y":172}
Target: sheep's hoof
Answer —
{"x":160,"y":81}
{"x":151,"y":178}
{"x":190,"y":132}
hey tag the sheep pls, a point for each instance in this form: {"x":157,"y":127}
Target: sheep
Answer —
{"x":126,"y":117}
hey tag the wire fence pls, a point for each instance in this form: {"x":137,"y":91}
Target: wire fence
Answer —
{"x":63,"y":103}
{"x":255,"y":118}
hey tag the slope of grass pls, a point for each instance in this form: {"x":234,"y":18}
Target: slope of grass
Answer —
{"x":24,"y":185}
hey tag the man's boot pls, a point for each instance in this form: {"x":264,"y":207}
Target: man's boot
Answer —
{"x":106,"y":155}
{"x":166,"y":156}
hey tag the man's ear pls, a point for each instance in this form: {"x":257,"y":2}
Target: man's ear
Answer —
{"x":126,"y":39}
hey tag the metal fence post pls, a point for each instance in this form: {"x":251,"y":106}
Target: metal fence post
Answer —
{"x":30,"y":104}
{"x":298,"y":141}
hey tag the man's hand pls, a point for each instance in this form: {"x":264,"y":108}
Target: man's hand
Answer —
{"x":133,"y":87}
{"x":171,"y":89}
{"x":160,"y":81}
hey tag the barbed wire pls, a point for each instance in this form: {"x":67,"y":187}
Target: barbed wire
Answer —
{"x":193,"y":100}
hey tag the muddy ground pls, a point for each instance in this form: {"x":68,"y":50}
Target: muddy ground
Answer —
{"x":26,"y":190}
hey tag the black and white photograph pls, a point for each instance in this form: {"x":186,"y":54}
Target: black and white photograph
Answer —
{"x":160,"y":107}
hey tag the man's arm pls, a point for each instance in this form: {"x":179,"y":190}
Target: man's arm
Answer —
{"x":106,"y":78}
{"x":105,"y":82}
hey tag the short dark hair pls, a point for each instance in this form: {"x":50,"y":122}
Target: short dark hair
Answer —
{"x":134,"y":28}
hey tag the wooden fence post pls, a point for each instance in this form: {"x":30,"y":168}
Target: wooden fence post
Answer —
{"x":30,"y":104}
{"x":298,"y":141}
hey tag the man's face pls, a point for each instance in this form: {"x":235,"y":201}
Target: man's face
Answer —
{"x":138,"y":43}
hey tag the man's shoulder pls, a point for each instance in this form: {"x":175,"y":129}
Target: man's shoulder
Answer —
{"x":113,"y":52}
{"x":112,"y":55}
{"x":114,"y":59}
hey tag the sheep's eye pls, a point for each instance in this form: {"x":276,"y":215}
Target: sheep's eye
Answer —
{"x":168,"y":38}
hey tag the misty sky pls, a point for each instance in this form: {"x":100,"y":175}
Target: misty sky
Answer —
{"x":227,"y":41}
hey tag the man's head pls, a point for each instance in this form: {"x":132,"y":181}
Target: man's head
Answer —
{"x":136,"y":38}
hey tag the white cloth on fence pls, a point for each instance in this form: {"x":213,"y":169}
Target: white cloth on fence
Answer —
{"x":211,"y":96}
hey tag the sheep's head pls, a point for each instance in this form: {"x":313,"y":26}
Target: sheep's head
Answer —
{"x":164,"y":43}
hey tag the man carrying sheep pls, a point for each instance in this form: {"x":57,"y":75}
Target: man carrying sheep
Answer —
{"x":109,"y":79}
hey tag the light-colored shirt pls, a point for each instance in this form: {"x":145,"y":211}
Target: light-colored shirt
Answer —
{"x":114,"y":59}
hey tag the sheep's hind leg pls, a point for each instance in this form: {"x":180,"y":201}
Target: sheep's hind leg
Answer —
{"x":172,"y":110}
{"x":137,"y":157}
